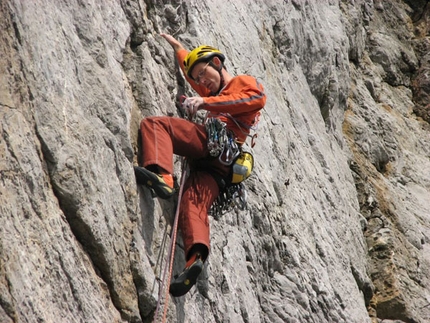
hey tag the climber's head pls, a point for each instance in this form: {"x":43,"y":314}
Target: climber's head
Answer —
{"x":204,"y":65}
{"x":202,"y":54}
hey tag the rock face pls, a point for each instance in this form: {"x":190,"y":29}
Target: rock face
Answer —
{"x":338,"y":221}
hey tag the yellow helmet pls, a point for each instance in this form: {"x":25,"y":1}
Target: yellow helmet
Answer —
{"x":200,"y":54}
{"x":242,"y":167}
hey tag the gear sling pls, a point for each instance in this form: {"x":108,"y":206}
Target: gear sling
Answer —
{"x":222,"y":144}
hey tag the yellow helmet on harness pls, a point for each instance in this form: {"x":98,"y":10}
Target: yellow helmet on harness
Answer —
{"x":242,"y":167}
{"x":200,"y":54}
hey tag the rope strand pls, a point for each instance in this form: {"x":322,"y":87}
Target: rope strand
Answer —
{"x":171,"y":254}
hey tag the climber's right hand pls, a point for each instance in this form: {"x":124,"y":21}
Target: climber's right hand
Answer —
{"x":192,"y":105}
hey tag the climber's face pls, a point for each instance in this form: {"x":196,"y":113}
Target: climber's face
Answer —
{"x":207,"y":76}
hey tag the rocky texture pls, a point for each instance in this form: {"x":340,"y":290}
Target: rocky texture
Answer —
{"x":391,"y":162}
{"x":337,"y":228}
{"x":421,"y":45}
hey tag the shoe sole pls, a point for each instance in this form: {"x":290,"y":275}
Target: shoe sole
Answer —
{"x":187,"y":279}
{"x":152,"y":180}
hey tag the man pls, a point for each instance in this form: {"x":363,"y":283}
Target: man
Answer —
{"x":236,"y":101}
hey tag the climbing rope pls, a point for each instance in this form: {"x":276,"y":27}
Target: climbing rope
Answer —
{"x":167,"y":275}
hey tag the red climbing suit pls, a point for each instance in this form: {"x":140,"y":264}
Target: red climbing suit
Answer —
{"x":238,"y":105}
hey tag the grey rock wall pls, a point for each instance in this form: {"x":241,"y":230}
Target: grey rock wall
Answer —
{"x":391,"y":160}
{"x":337,"y":228}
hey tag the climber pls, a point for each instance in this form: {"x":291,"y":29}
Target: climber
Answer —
{"x":236,"y":101}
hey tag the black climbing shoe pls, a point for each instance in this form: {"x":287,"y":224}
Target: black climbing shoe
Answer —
{"x":154,"y":181}
{"x":187,"y":279}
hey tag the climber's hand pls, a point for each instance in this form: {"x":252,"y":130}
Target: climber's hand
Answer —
{"x":176,"y":45}
{"x":192,"y":105}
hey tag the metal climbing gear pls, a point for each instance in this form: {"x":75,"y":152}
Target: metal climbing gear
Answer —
{"x":221,"y":141}
{"x":231,"y":197}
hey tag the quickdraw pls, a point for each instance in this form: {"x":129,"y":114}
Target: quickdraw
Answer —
{"x":232,"y":197}
{"x":221,"y":142}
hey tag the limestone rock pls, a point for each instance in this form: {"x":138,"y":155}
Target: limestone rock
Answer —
{"x":337,"y":225}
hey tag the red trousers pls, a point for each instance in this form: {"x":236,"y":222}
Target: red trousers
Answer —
{"x":161,"y":138}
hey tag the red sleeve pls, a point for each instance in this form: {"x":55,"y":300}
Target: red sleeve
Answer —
{"x":242,"y":94}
